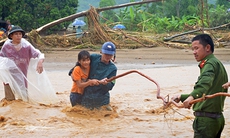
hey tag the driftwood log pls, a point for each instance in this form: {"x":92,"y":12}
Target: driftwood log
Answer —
{"x":136,"y":40}
{"x":193,"y":31}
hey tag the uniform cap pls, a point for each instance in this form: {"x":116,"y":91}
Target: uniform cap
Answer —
{"x":108,"y":48}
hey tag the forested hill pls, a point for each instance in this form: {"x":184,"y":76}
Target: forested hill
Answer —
{"x":85,"y":4}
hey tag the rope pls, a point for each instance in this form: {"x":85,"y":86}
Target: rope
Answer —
{"x":205,"y":97}
{"x":135,"y":71}
{"x":166,"y":102}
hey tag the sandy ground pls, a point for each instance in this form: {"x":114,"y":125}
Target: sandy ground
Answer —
{"x":137,"y":111}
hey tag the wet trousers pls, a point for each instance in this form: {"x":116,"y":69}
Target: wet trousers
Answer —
{"x":206,"y":127}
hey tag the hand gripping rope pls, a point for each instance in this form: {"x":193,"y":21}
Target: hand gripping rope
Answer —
{"x":204,"y":97}
{"x":165,"y":100}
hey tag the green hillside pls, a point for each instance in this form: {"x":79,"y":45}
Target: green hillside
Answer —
{"x":212,"y":1}
{"x":85,"y":4}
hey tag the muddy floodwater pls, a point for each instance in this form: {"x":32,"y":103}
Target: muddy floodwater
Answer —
{"x":136,"y":110}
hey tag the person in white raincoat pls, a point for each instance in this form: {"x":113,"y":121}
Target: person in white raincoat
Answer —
{"x":19,"y":61}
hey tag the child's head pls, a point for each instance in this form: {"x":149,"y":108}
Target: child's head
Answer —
{"x":83,"y":55}
{"x":83,"y":58}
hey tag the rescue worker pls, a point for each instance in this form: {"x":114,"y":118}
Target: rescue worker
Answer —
{"x":209,"y":121}
{"x":101,"y":68}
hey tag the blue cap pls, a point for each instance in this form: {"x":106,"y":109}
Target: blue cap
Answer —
{"x":108,"y":48}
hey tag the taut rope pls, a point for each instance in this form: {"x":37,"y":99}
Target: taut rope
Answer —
{"x":166,"y":101}
{"x":135,"y":71}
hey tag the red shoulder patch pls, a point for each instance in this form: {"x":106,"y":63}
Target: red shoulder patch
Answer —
{"x":202,"y":63}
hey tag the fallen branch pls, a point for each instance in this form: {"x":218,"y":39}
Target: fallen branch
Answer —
{"x":192,"y":31}
{"x":181,"y":41}
{"x":134,"y":39}
{"x":171,"y":37}
{"x":84,"y":13}
{"x":72,"y":34}
{"x":3,"y":41}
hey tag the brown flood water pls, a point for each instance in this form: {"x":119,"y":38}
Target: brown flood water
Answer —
{"x":136,"y":110}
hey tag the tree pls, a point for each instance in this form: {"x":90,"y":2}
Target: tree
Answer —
{"x":225,"y":3}
{"x":177,"y":8}
{"x":218,"y":16}
{"x":110,"y":14}
{"x":31,"y":14}
{"x":85,"y":13}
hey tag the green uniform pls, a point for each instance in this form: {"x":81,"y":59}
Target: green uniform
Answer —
{"x":209,"y":121}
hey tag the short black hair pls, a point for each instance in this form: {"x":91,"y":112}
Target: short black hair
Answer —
{"x":204,"y":39}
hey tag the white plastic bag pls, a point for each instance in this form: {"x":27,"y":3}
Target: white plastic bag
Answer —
{"x":36,"y":88}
